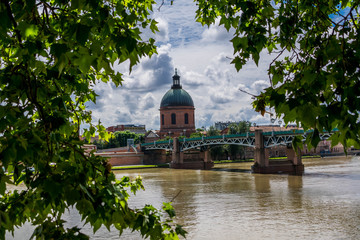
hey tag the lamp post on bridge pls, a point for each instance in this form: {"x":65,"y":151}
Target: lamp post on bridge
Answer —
{"x":272,"y":122}
{"x":280,"y":123}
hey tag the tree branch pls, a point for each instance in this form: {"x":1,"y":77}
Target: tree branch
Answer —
{"x":352,"y":18}
{"x":280,"y":53}
{"x":162,"y":3}
{"x":12,"y":19}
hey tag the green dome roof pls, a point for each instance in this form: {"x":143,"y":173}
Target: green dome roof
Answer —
{"x":176,"y":97}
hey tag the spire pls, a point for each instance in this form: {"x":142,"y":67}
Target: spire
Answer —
{"x":176,"y":80}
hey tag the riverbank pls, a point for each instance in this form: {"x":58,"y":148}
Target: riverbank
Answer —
{"x":125,"y":167}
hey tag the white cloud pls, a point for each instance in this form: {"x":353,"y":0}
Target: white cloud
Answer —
{"x":182,"y":27}
{"x":202,"y":56}
{"x":259,"y":85}
{"x":193,"y":79}
{"x":147,"y":101}
{"x":216,"y":33}
{"x":151,"y":73}
{"x":163,"y":34}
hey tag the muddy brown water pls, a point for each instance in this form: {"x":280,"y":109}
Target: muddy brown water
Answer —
{"x":229,"y":202}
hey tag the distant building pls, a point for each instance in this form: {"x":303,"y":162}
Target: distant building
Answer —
{"x":274,"y":127}
{"x":222,"y":125}
{"x":138,"y":129}
{"x":151,"y":136}
{"x":264,"y":128}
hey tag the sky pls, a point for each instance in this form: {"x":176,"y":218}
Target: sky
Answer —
{"x":202,"y":56}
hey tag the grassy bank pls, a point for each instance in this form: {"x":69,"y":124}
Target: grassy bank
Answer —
{"x":140,"y":166}
{"x":233,"y":161}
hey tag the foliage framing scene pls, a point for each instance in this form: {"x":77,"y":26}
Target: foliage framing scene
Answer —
{"x":314,"y":74}
{"x":54,"y":52}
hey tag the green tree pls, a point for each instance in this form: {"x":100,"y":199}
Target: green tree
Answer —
{"x":314,"y":75}
{"x":52,"y":53}
{"x":241,"y":127}
{"x":123,"y":136}
{"x":216,"y":152}
{"x":212,"y":131}
{"x":196,"y":134}
{"x":200,"y":129}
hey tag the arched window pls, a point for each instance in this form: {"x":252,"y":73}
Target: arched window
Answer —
{"x":173,"y":118}
{"x":186,"y":118}
{"x":162,"y":119}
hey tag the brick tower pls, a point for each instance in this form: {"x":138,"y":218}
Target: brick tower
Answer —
{"x":177,"y":111}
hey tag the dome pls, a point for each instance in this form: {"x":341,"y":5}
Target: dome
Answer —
{"x":176,"y":97}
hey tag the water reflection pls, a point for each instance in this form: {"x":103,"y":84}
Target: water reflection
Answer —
{"x":295,"y":193}
{"x":262,"y":183}
{"x":231,"y":203}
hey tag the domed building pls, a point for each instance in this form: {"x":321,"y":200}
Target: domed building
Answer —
{"x":177,"y":111}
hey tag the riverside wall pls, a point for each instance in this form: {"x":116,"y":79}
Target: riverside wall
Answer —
{"x":117,"y":158}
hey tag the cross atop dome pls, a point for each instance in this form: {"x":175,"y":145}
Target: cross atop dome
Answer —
{"x":176,"y":80}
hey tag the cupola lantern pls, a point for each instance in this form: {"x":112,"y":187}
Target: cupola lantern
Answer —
{"x":176,"y":80}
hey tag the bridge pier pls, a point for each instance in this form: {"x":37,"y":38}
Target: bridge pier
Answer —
{"x":295,"y":158}
{"x":178,"y":162}
{"x":177,"y":157}
{"x":261,"y":159}
{"x":206,"y":156}
{"x":262,"y":164}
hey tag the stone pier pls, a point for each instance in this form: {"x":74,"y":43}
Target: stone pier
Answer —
{"x":262,"y":163}
{"x":202,"y":161}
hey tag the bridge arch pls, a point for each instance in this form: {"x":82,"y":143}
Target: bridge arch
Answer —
{"x":239,"y":139}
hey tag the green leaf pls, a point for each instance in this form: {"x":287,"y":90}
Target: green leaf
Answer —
{"x":240,"y":43}
{"x":297,"y":143}
{"x":4,"y":219}
{"x":268,"y":11}
{"x":84,"y":206}
{"x":58,"y":49}
{"x":28,"y":30}
{"x":256,"y":58}
{"x":97,"y":225}
{"x":315,"y":138}
{"x":85,"y":62}
{"x":180,"y":231}
{"x":168,"y":208}
{"x":82,"y":33}
{"x":2,"y":186}
{"x":52,"y":187}
{"x":309,"y":77}
{"x":87,"y":192}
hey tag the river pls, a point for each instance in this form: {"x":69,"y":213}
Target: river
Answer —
{"x":229,"y":202}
